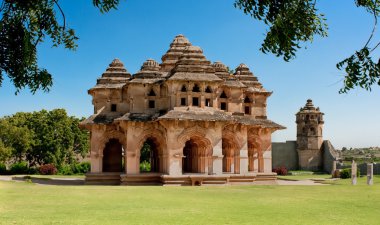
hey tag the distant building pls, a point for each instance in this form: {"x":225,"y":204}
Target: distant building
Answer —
{"x":309,"y":152}
{"x":202,"y":124}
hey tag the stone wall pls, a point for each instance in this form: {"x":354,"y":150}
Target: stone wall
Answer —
{"x":285,"y":154}
{"x":362,"y":168}
{"x":329,"y":155}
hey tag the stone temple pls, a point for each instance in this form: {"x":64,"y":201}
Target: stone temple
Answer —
{"x":202,"y":125}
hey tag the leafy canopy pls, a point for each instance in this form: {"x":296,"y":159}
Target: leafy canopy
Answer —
{"x":293,"y":22}
{"x":42,"y":137}
{"x":25,"y":23}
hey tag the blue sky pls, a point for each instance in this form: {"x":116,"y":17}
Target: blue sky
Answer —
{"x":139,"y":30}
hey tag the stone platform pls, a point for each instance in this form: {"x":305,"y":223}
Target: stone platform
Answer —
{"x":181,"y":180}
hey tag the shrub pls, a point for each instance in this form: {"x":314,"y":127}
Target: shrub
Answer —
{"x":282,"y":171}
{"x":33,"y":170}
{"x":81,"y":168}
{"x":65,"y":170}
{"x":48,"y":169}
{"x":3,"y":169}
{"x":19,"y":168}
{"x":346,"y":173}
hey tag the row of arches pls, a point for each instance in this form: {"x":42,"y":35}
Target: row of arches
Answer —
{"x":197,"y":156}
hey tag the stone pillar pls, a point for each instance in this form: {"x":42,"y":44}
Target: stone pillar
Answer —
{"x":267,"y":160}
{"x":354,"y":169}
{"x":333,"y":169}
{"x":133,"y":166}
{"x":244,"y":159}
{"x":217,"y":159}
{"x":175,"y":163}
{"x":370,"y":173}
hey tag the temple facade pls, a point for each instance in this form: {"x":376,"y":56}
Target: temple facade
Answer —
{"x":191,"y":120}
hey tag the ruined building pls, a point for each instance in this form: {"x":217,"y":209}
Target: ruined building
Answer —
{"x":199,"y":123}
{"x":309,"y":151}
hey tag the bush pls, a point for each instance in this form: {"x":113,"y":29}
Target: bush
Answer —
{"x":81,"y":168}
{"x":346,"y":173}
{"x":19,"y":168}
{"x":282,"y":171}
{"x":48,"y":169}
{"x":65,"y":170}
{"x":3,"y":169}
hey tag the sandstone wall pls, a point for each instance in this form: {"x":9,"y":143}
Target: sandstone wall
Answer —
{"x":285,"y":154}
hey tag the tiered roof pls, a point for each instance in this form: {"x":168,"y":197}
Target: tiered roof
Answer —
{"x":175,"y":51}
{"x":115,"y":76}
{"x":193,"y":65}
{"x":243,"y":74}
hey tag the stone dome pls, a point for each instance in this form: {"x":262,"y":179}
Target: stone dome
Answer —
{"x":150,"y":65}
{"x":181,"y":40}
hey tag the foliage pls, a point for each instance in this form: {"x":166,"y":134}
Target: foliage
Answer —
{"x":291,"y":23}
{"x":294,"y":22}
{"x":282,"y":171}
{"x":47,"y":169}
{"x":3,"y":169}
{"x":81,"y":168}
{"x":346,"y":173}
{"x":19,"y":168}
{"x":5,"y":152}
{"x":25,"y":24}
{"x":361,"y":71}
{"x":65,"y":170}
{"x":145,"y":166}
{"x":44,"y":137}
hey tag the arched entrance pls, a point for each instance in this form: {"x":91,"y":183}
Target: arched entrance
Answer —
{"x":113,"y":156}
{"x":231,"y":156}
{"x":150,"y":155}
{"x":195,"y":156}
{"x":255,"y":155}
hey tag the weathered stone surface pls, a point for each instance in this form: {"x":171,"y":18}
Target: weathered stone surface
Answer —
{"x":354,"y":171}
{"x":309,"y":137}
{"x":196,"y":117}
{"x":370,"y":173}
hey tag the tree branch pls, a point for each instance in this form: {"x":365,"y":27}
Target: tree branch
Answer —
{"x":63,"y":14}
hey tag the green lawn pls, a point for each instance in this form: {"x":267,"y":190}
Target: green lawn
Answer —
{"x":305,"y":177}
{"x":26,"y":203}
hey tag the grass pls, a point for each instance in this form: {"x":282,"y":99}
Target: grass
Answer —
{"x":27,"y":203}
{"x":304,"y":176}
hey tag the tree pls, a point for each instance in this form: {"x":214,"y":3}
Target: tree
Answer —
{"x":291,"y":23}
{"x":43,"y":137}
{"x":23,"y":25}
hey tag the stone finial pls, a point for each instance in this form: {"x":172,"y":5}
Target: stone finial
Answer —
{"x":180,"y":39}
{"x":309,"y":107}
{"x":150,"y":65}
{"x":243,"y":70}
{"x":116,"y":63}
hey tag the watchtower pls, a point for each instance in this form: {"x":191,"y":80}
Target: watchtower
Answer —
{"x":309,"y":137}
